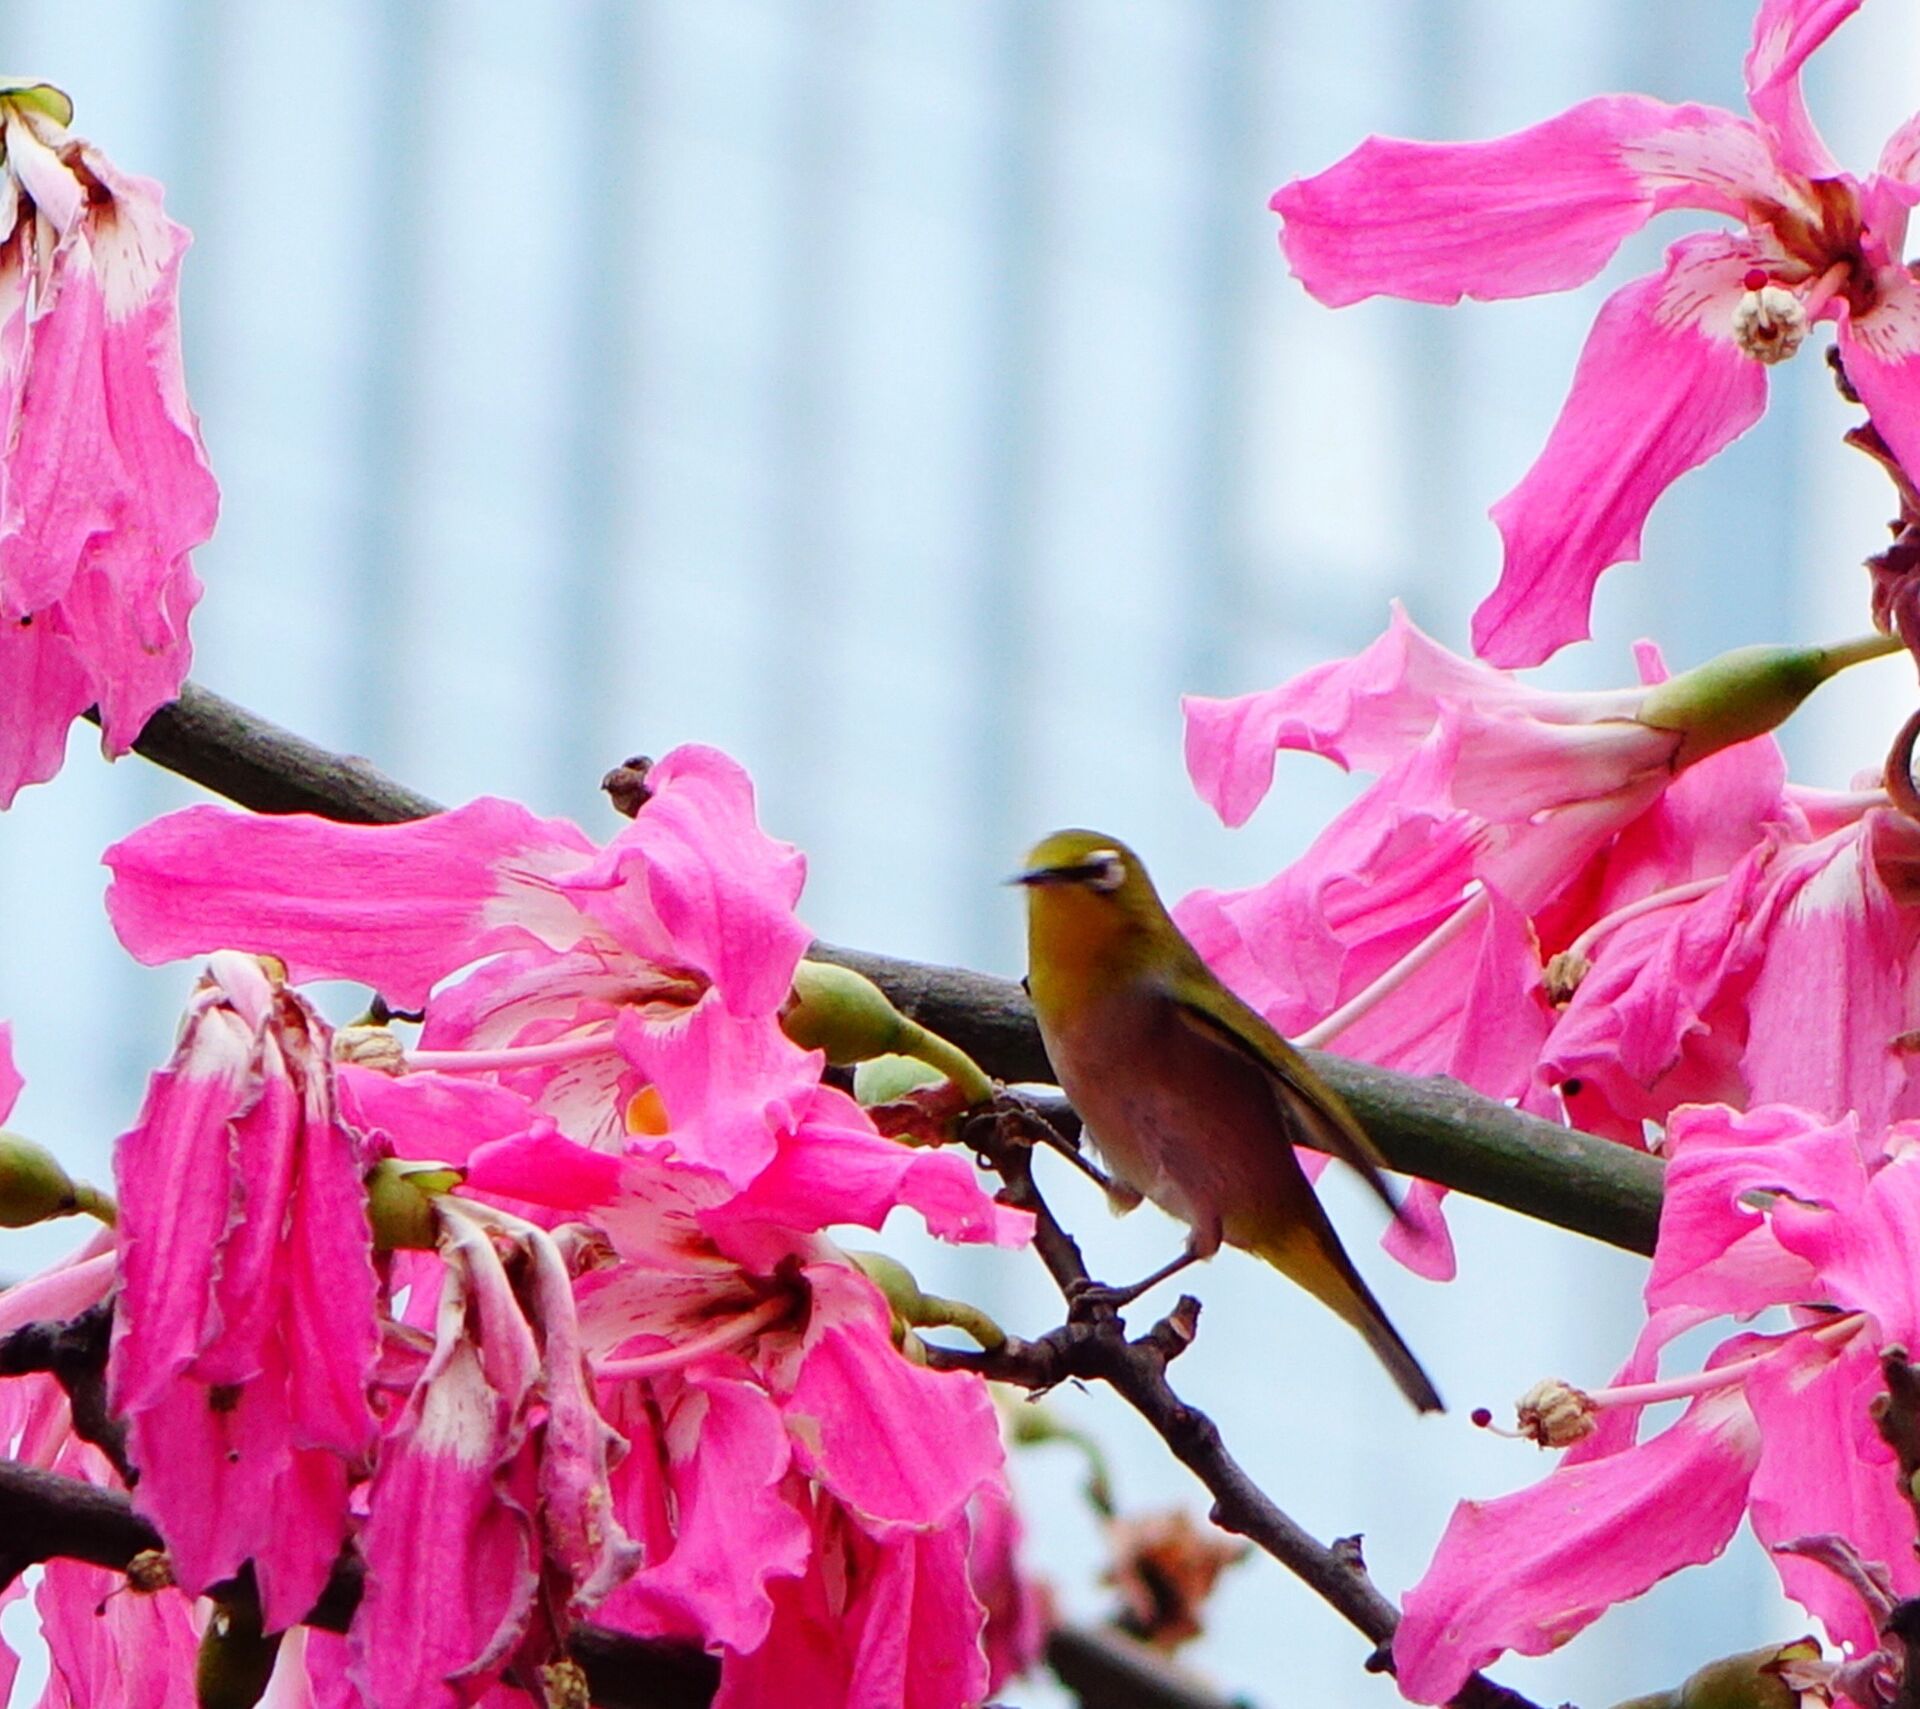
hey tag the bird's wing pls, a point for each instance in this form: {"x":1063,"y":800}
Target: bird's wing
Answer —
{"x":1307,"y":1102}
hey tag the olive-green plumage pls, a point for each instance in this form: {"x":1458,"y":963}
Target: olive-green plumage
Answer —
{"x":1193,"y":1100}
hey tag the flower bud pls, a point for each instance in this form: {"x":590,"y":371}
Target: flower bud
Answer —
{"x":33,"y":1186}
{"x":1751,"y":1680}
{"x":913,"y":1309}
{"x":840,"y":1012}
{"x":887,"y":1079}
{"x":1746,"y":692}
{"x":400,"y":1197}
{"x":843,"y":1013}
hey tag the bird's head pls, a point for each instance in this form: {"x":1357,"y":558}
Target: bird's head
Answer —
{"x":1094,"y":877}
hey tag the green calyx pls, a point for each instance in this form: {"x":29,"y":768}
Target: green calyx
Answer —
{"x":843,"y":1013}
{"x":34,"y":1188}
{"x":913,"y":1309}
{"x":45,"y":98}
{"x":400,"y":1195}
{"x":1754,"y":1679}
{"x":1747,"y":692}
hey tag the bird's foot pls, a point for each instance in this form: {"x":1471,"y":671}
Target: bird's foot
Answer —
{"x":1088,"y":1300}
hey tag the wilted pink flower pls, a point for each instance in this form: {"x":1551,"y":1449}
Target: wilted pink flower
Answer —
{"x":245,"y":1331}
{"x":1673,"y":369}
{"x":1769,"y":1208}
{"x":1506,"y":820}
{"x":104,"y":486}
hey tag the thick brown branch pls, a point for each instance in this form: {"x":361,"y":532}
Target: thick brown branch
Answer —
{"x":1433,"y":1128}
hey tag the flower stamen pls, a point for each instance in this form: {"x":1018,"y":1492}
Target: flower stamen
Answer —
{"x":1330,"y":1026}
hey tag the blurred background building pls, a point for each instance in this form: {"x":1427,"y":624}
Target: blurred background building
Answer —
{"x":909,"y":397}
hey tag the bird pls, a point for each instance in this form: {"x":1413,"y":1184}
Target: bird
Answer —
{"x":1191,"y":1098}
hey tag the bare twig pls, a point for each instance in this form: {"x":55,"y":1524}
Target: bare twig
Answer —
{"x":1430,"y":1127}
{"x":74,"y":1354}
{"x":1093,"y":1345}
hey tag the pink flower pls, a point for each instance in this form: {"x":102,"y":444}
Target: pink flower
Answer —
{"x":245,"y":1332}
{"x":1787,"y":983}
{"x":754,"y":1371}
{"x":104,"y":486}
{"x":1770,"y":1208}
{"x":1672,"y":370}
{"x":1506,"y":820}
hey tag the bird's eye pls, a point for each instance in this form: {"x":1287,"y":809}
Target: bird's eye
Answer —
{"x":1105,"y":871}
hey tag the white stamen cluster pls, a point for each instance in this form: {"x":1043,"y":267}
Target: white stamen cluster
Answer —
{"x":1769,"y":324}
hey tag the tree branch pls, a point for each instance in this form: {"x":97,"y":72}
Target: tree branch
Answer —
{"x":1430,"y":1127}
{"x":1093,"y":1345}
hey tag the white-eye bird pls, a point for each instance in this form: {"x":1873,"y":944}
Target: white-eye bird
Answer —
{"x":1192,"y":1099}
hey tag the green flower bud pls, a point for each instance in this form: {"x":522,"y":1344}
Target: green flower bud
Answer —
{"x":1747,"y":692}
{"x":887,"y":1079}
{"x":33,"y":1186}
{"x":913,"y":1309}
{"x":843,"y":1013}
{"x":400,"y":1195}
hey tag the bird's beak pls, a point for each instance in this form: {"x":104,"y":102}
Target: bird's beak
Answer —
{"x":1038,"y":875}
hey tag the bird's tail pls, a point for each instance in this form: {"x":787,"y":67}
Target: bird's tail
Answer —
{"x":1313,"y":1257}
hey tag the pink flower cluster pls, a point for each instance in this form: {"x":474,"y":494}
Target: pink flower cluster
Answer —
{"x":1605,"y":912}
{"x":619,"y":1371}
{"x":104,"y":486}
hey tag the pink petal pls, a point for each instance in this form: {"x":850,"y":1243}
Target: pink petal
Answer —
{"x":1828,"y":932}
{"x":582,"y":1536}
{"x":1659,"y":389}
{"x":447,"y":1117}
{"x":44,"y":686}
{"x":11,"y":1079}
{"x":1541,"y":210}
{"x":708,"y":1498}
{"x":1528,"y":1571}
{"x":1718,"y":1249}
{"x":730,"y":1084}
{"x":172,"y":1172}
{"x":102,"y":395}
{"x":1881,"y":350}
{"x":900,"y":1445}
{"x":106,"y":1646}
{"x":1861,"y":1242}
{"x":836,"y":1169}
{"x":446,"y":1602}
{"x":696,"y":865}
{"x":1785,"y":32}
{"x":1824,"y":1468}
{"x":397,"y":907}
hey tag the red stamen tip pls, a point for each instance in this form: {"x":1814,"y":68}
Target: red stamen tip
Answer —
{"x":1482,"y":1417}
{"x":1756,"y":277}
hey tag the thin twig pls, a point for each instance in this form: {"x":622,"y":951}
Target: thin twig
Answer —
{"x":1093,"y":1345}
{"x":1431,"y":1127}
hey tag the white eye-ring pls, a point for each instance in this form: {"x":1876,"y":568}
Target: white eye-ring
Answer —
{"x":1109,"y":871}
